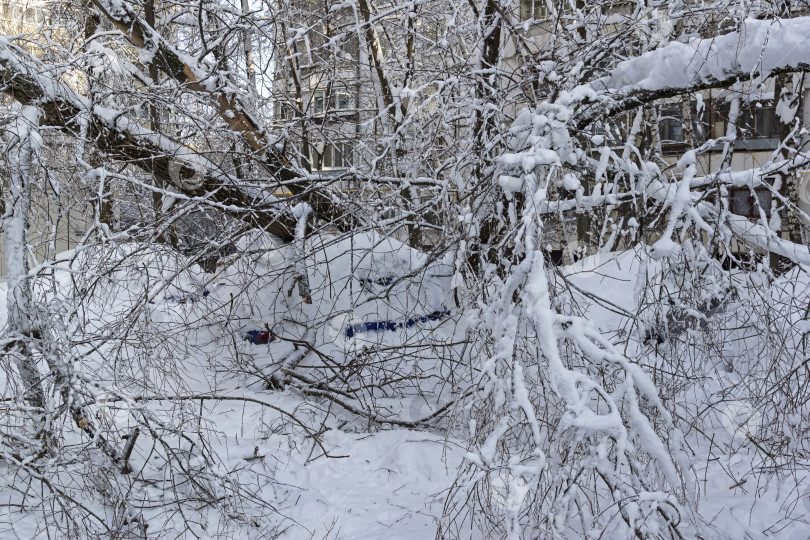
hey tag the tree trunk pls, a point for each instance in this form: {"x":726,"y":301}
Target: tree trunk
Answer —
{"x":22,"y":321}
{"x":491,"y":230}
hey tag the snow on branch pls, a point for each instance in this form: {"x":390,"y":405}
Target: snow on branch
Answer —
{"x":758,"y":50}
{"x":185,"y":70}
{"x":767,"y":239}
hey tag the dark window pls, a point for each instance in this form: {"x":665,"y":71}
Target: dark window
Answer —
{"x":757,"y":121}
{"x":671,"y":126}
{"x":319,"y":101}
{"x":343,"y":101}
{"x":766,"y":125}
{"x":532,"y":9}
{"x":747,"y":202}
{"x":720,"y":112}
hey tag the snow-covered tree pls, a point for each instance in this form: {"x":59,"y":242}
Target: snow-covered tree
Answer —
{"x":384,"y":187}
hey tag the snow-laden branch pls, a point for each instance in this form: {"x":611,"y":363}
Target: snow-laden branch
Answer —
{"x":757,"y":50}
{"x":186,"y":70}
{"x":611,"y":403}
{"x":762,"y":237}
{"x":542,"y":137}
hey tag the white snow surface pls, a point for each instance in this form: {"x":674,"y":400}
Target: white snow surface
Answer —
{"x":376,"y":483}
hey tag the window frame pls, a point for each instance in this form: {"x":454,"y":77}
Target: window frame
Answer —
{"x":334,"y":102}
{"x":303,"y":51}
{"x":672,"y":113}
{"x":748,"y":125}
{"x":320,"y":102}
{"x":336,"y":156}
{"x":341,"y":95}
{"x":533,"y":10}
{"x":669,"y":121}
{"x":756,"y":199}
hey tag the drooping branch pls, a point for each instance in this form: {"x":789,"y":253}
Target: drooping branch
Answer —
{"x":187,"y":72}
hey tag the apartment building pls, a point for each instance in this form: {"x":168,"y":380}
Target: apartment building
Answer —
{"x":328,"y":79}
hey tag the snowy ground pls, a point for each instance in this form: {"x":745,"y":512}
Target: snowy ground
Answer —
{"x":366,"y":482}
{"x":732,"y":500}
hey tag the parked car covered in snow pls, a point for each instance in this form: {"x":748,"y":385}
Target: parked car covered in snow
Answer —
{"x":685,"y":295}
{"x":365,"y":284}
{"x":355,"y":286}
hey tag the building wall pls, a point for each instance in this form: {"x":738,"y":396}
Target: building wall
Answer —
{"x":56,"y":223}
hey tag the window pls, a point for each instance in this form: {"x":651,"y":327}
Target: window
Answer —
{"x":720,"y":112}
{"x":302,"y":52}
{"x":338,"y":101}
{"x":671,"y":126}
{"x":343,"y":101}
{"x":756,"y":121}
{"x":765,"y":123}
{"x":33,"y":16}
{"x":351,"y":186}
{"x":747,"y":202}
{"x":532,"y":9}
{"x":286,"y":111}
{"x":13,"y":13}
{"x":319,"y":101}
{"x":336,"y":156}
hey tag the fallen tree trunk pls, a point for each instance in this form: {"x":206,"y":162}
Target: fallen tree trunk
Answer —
{"x":229,"y":106}
{"x":24,"y":78}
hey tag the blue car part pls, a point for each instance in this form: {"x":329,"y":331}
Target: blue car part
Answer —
{"x":259,"y":337}
{"x":376,"y":326}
